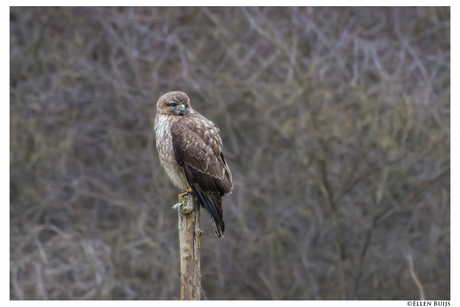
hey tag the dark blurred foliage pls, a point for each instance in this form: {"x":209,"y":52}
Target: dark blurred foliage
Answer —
{"x":336,"y":126}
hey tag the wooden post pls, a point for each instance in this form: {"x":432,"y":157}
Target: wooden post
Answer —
{"x":189,"y":239}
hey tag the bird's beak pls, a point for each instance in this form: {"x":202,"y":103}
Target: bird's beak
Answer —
{"x":182,"y":107}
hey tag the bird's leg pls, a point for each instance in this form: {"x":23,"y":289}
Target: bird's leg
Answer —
{"x":182,"y":196}
{"x":184,"y":193}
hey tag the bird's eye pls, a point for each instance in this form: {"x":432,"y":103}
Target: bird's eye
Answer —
{"x":173,"y":103}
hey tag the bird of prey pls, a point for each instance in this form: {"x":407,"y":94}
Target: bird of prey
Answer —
{"x":190,"y":151}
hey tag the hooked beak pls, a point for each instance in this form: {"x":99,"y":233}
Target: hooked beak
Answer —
{"x":180,"y":109}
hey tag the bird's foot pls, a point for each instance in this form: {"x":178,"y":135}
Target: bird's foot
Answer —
{"x":181,"y":197}
{"x":184,"y":193}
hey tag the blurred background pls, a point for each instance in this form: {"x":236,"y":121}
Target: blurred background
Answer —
{"x":335,"y":123}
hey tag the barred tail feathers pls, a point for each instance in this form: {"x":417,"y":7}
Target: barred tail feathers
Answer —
{"x":212,"y":202}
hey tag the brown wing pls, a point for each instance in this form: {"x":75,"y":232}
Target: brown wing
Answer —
{"x":198,"y":149}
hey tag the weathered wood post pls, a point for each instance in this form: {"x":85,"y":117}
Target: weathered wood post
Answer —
{"x":190,"y":249}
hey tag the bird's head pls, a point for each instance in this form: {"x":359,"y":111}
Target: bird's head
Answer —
{"x":174,"y":103}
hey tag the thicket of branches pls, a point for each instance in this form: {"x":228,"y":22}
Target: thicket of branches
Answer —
{"x":336,"y":126}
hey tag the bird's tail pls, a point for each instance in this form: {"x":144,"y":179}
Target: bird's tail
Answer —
{"x":212,"y":202}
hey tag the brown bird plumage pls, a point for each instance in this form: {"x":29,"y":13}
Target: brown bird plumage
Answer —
{"x":190,"y":151}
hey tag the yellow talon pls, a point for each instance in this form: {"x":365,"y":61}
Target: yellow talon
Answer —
{"x":183,"y":193}
{"x":181,"y":197}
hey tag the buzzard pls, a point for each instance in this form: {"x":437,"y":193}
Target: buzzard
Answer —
{"x":190,"y":151}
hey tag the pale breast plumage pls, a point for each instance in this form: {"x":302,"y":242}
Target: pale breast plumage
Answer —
{"x":166,"y":152}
